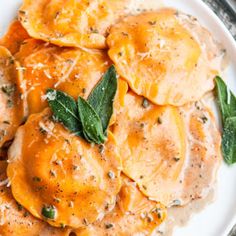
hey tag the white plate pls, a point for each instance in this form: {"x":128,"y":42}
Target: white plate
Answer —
{"x":218,"y":218}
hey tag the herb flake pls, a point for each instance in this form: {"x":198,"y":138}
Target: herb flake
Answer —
{"x":49,"y":212}
{"x":227,"y":104}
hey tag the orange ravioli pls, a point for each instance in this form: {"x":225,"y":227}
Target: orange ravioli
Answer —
{"x":134,"y":214}
{"x":71,"y":70}
{"x":161,"y":60}
{"x":14,"y":37}
{"x":149,"y":138}
{"x":157,"y":144}
{"x":11,"y":107}
{"x":15,"y":220}
{"x":77,"y":23}
{"x":62,"y":173}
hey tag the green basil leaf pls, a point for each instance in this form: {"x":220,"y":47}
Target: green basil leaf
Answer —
{"x":226,"y":99}
{"x":64,"y":110}
{"x":102,"y":96}
{"x":91,"y":123}
{"x":229,"y":140}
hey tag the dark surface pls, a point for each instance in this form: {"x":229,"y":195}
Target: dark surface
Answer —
{"x":227,"y":15}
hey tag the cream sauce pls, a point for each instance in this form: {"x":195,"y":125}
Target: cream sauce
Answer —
{"x":179,"y":216}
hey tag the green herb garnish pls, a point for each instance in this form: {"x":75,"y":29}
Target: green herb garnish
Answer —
{"x":88,"y":119}
{"x":229,"y":140}
{"x":226,"y":99}
{"x":64,"y":109}
{"x":102,"y":96}
{"x":227,"y":104}
{"x":49,"y":212}
{"x":91,"y":123}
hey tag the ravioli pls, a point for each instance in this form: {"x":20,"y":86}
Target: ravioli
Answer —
{"x":77,"y":23}
{"x":71,"y":70}
{"x":11,"y":106}
{"x":149,"y":138}
{"x":134,"y":214}
{"x":14,"y":37}
{"x":157,"y":143}
{"x":62,"y":173}
{"x":161,"y":60}
{"x":15,"y":220}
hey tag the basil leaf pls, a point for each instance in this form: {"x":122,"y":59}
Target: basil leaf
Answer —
{"x":91,"y":123}
{"x":65,"y":110}
{"x":229,"y":140}
{"x":102,"y":96}
{"x":226,"y":99}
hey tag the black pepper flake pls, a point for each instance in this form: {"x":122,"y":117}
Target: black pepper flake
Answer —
{"x":158,"y":212}
{"x":197,"y":106}
{"x":142,"y":125}
{"x":149,"y":218}
{"x":176,"y":159}
{"x":152,"y":22}
{"x":19,"y":206}
{"x":8,"y":89}
{"x":62,"y":225}
{"x":22,"y":12}
{"x":101,"y":149}
{"x":84,"y":90}
{"x":108,"y":225}
{"x":42,"y":131}
{"x":144,"y":187}
{"x":57,"y":14}
{"x":85,"y":221}
{"x":159,"y":120}
{"x":95,"y":31}
{"x":57,"y":200}
{"x":75,"y":167}
{"x":52,"y":173}
{"x":26,"y":214}
{"x":11,"y":60}
{"x":107,"y":206}
{"x":36,"y":179}
{"x":204,"y":119}
{"x":120,"y":54}
{"x":145,"y":103}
